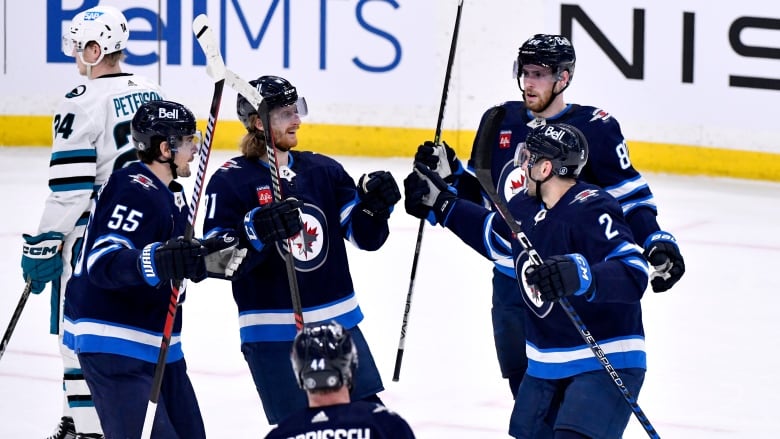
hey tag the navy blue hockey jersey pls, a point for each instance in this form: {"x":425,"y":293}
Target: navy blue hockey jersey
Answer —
{"x":588,"y":221}
{"x":356,"y":420}
{"x":331,"y":214}
{"x":109,"y":307}
{"x":608,"y":166}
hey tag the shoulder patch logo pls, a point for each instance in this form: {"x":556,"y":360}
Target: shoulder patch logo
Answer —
{"x":584,"y":195}
{"x":78,"y":91}
{"x":230,"y":164}
{"x":599,"y":114}
{"x":143,"y":180}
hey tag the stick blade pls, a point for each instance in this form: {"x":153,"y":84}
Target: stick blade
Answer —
{"x":215,"y":65}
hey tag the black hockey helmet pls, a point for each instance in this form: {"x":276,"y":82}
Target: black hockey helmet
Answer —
{"x":158,"y":121}
{"x":323,"y":357}
{"x":276,"y":91}
{"x":564,"y":145}
{"x":553,"y":51}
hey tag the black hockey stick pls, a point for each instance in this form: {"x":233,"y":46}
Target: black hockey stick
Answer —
{"x":215,"y":69}
{"x":15,"y":317}
{"x":484,"y":145}
{"x":436,"y":139}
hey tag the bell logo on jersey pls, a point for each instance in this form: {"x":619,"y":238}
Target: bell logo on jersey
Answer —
{"x":162,"y":113}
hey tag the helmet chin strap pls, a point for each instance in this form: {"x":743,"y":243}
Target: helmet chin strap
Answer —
{"x":170,"y":161}
{"x":539,"y":184}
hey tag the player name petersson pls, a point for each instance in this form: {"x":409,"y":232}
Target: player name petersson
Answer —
{"x":339,"y":433}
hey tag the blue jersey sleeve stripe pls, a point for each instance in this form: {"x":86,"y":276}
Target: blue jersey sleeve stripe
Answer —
{"x":627,"y":187}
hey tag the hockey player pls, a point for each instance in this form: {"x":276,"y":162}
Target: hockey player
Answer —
{"x":90,"y":140}
{"x":118,"y":298}
{"x":324,"y":360}
{"x":589,"y":255}
{"x":544,"y":69}
{"x":321,"y":210}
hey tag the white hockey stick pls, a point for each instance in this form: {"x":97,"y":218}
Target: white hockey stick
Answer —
{"x":216,"y":69}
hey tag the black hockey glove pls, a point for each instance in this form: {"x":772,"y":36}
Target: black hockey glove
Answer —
{"x":440,"y":158}
{"x":224,"y":257}
{"x":176,"y":259}
{"x":273,"y":222}
{"x":561,"y":276}
{"x":378,"y":193}
{"x":428,"y":196}
{"x":663,"y":254}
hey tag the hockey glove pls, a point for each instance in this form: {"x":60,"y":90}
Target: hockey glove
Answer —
{"x":662,"y":252}
{"x":41,"y":259}
{"x":428,"y":196}
{"x":224,"y":257}
{"x":440,"y":158}
{"x":273,"y":222}
{"x":561,"y":276}
{"x":378,"y":193}
{"x":176,"y":259}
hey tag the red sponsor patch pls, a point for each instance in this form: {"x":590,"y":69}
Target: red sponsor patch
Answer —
{"x":264,"y":195}
{"x":504,"y":139}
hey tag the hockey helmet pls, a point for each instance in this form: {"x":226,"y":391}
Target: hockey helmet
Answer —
{"x":564,"y":145}
{"x":158,"y":121}
{"x":105,"y":25}
{"x":276,"y":92}
{"x":323,"y":357}
{"x":553,"y":51}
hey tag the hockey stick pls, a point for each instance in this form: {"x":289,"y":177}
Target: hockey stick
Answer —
{"x":244,"y":88}
{"x":484,"y":145}
{"x":289,"y":262}
{"x":436,"y":139}
{"x":15,"y":317}
{"x":216,"y":69}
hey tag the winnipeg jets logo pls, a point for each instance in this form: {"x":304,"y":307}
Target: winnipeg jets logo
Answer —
{"x":514,"y":183}
{"x":310,"y":246}
{"x":531,"y":295}
{"x":143,"y":180}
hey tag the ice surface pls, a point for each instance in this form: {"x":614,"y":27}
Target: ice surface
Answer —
{"x":712,"y":341}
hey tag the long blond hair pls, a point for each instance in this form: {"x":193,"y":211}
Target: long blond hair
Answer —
{"x":252,"y":145}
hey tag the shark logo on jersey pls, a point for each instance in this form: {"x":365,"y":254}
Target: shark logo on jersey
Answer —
{"x":531,"y":295}
{"x":78,"y":91}
{"x":310,"y":246}
{"x":584,"y":195}
{"x":143,"y":180}
{"x":599,"y":114}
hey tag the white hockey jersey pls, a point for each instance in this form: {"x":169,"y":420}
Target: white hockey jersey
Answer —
{"x":91,"y":138}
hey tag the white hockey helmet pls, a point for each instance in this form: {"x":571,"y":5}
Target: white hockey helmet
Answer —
{"x":105,"y":25}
